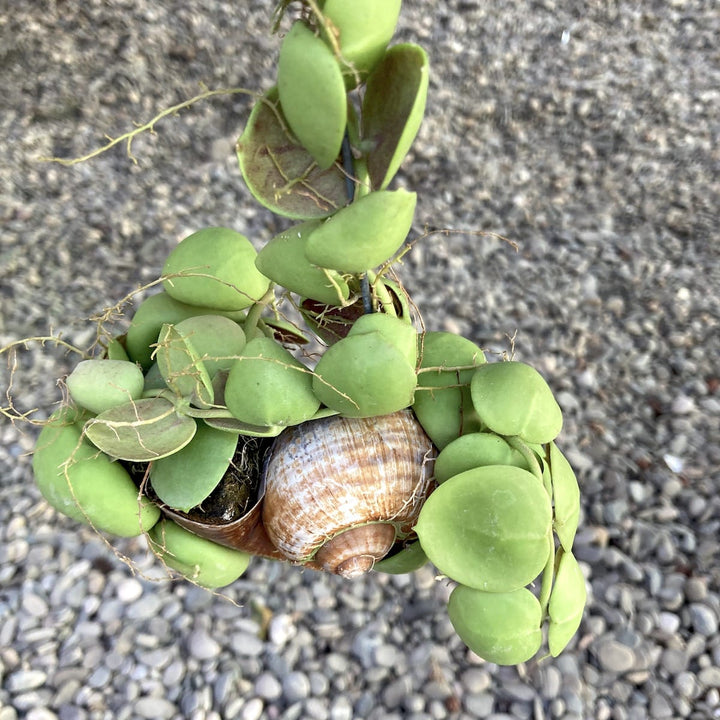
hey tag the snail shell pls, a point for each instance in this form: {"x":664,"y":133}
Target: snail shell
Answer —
{"x":340,"y":491}
{"x":246,"y":533}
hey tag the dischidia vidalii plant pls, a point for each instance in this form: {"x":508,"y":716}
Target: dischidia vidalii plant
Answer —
{"x":210,"y":428}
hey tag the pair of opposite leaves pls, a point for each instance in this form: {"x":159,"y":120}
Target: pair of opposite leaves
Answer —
{"x":299,"y":178}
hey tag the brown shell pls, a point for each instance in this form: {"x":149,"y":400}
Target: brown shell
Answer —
{"x":246,"y":533}
{"x":355,"y":551}
{"x":326,"y":476}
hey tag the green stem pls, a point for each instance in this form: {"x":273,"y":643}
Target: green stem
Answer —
{"x":382,"y":293}
{"x":548,"y":575}
{"x":530,"y":458}
{"x":212,"y":412}
{"x":253,"y":316}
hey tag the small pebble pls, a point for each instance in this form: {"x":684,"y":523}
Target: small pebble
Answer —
{"x":202,"y":646}
{"x":252,"y":709}
{"x":615,"y":656}
{"x":704,"y":620}
{"x":295,"y":686}
{"x":268,"y":687}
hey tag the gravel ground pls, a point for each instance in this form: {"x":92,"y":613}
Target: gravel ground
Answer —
{"x":586,"y":132}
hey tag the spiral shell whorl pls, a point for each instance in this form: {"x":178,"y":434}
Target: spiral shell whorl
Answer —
{"x":326,"y":476}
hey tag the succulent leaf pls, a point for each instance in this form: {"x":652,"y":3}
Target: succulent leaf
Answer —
{"x":83,"y":483}
{"x":98,"y":385}
{"x":364,"y":28}
{"x":280,"y":173}
{"x":475,"y":450}
{"x":141,"y":431}
{"x":268,"y":386}
{"x":363,"y":376}
{"x":312,"y":93}
{"x":406,"y":560}
{"x":202,"y":561}
{"x":567,"y":602}
{"x":284,"y":261}
{"x":566,"y":498}
{"x":181,"y":367}
{"x":502,"y":628}
{"x":443,"y":403}
{"x":215,"y":339}
{"x":488,"y":528}
{"x":364,"y":234}
{"x":214,"y":268}
{"x":393,"y":108}
{"x":185,"y":478}
{"x":512,"y":398}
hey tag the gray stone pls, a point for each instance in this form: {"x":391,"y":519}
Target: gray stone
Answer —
{"x":709,"y":677}
{"x":246,"y":644}
{"x":614,"y":656}
{"x":686,"y":685}
{"x":660,"y":706}
{"x":129,"y":590}
{"x":704,"y":620}
{"x":479,"y":705}
{"x":295,"y":686}
{"x":154,"y":707}
{"x":268,"y":687}
{"x":281,"y":629}
{"x":202,"y":646}
{"x":396,"y":692}
{"x":40,"y":713}
{"x":386,"y":655}
{"x":252,"y":709}
{"x":341,"y":709}
{"x":668,"y":622}
{"x":316,"y":709}
{"x":23,"y":680}
{"x":674,"y":661}
{"x":475,"y":680}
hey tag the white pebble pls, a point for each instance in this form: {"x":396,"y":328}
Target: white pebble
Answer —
{"x":129,"y":590}
{"x":252,"y":710}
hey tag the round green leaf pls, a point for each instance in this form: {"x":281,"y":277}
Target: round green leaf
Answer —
{"x":488,"y":528}
{"x":398,"y":332}
{"x":98,"y":385}
{"x":445,"y":413}
{"x":151,"y":315}
{"x":283,"y":260}
{"x":512,"y":398}
{"x":84,"y":484}
{"x":185,"y":478}
{"x":216,"y":268}
{"x":364,"y":234}
{"x":442,"y":400}
{"x":215,"y":339}
{"x":393,"y":108}
{"x":474,"y":450}
{"x":141,"y":431}
{"x":364,"y":376}
{"x":566,"y":498}
{"x":312,"y":93}
{"x":202,"y":561}
{"x":364,"y":28}
{"x":268,"y":386}
{"x":116,"y":349}
{"x":567,"y":602}
{"x":181,"y":368}
{"x":280,"y":173}
{"x":502,"y":628}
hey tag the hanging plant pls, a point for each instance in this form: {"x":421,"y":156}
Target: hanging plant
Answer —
{"x":284,"y":404}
